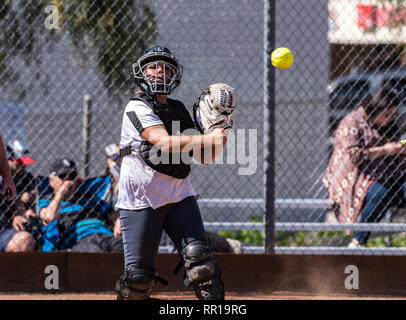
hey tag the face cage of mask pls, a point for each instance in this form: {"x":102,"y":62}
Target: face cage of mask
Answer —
{"x":164,"y":86}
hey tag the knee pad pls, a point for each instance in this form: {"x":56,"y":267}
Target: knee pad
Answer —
{"x":202,"y":271}
{"x":195,"y":251}
{"x":135,"y":284}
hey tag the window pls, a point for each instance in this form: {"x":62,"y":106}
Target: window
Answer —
{"x":399,"y":84}
{"x":349,"y":94}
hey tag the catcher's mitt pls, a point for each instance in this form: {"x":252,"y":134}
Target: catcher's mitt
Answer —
{"x":214,"y":107}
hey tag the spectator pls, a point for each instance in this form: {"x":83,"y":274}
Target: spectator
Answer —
{"x":366,"y":172}
{"x":113,"y":163}
{"x":12,"y":239}
{"x":26,"y":184}
{"x":82,"y":223}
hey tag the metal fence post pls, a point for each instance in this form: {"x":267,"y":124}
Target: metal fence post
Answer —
{"x":86,"y":131}
{"x":269,"y":127}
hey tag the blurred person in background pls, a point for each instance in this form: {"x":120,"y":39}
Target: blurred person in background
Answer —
{"x":367,"y":170}
{"x":81,"y":223}
{"x":18,"y":157}
{"x":13,"y":238}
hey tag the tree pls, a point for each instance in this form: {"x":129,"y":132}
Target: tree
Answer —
{"x":109,"y":32}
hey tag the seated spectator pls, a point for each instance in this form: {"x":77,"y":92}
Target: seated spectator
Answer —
{"x":366,"y":172}
{"x":26,"y":184}
{"x":113,"y":163}
{"x":13,"y":238}
{"x":81,"y":222}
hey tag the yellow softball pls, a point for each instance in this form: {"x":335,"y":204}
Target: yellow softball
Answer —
{"x":282,"y":58}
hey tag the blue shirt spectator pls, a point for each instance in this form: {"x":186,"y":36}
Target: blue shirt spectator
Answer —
{"x":75,"y":219}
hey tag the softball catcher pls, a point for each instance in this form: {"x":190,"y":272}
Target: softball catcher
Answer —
{"x":155,"y":192}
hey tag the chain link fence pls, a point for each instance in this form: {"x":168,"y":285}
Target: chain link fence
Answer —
{"x":345,"y":50}
{"x":65,"y":72}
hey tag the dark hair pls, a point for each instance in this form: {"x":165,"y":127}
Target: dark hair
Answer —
{"x":380,"y":100}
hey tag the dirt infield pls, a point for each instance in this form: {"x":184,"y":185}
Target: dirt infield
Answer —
{"x":184,"y":296}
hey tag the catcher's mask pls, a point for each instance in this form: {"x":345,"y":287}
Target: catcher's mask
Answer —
{"x":168,"y":72}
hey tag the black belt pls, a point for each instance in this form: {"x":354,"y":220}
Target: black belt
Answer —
{"x":125,"y":151}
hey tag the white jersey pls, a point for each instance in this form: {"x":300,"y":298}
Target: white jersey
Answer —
{"x":140,"y":186}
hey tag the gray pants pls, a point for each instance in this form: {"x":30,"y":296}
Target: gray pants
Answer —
{"x":142,"y":230}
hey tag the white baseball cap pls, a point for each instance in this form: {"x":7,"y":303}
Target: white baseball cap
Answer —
{"x":18,"y":151}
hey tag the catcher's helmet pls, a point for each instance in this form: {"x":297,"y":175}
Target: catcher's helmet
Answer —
{"x":171,"y":71}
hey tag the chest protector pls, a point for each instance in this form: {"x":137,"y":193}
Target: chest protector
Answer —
{"x":174,"y":164}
